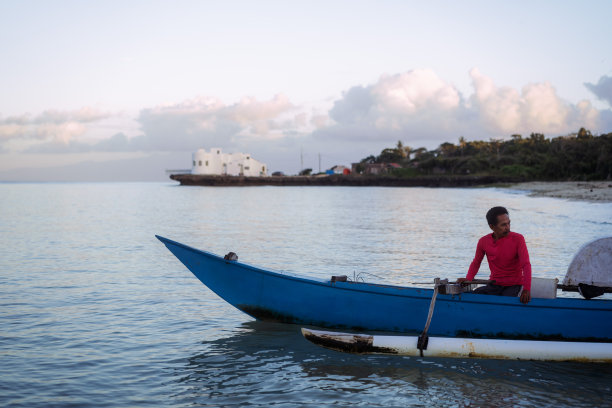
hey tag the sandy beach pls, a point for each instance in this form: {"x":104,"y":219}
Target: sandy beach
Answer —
{"x":597,"y":191}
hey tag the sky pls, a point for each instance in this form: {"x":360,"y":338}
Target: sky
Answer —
{"x":126,"y":90}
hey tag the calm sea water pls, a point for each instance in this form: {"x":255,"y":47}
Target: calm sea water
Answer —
{"x":94,"y":311}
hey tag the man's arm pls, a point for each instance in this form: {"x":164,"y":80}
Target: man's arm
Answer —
{"x":475,"y":265}
{"x":523,"y":256}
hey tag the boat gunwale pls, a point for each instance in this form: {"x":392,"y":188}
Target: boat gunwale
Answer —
{"x":385,"y":289}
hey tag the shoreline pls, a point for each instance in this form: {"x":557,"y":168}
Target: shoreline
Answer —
{"x":593,"y":191}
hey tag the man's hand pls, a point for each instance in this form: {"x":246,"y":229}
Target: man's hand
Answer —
{"x":525,"y":296}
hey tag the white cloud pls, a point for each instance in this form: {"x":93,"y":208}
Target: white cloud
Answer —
{"x":495,"y":108}
{"x":542,"y":110}
{"x":185,"y":126}
{"x":416,"y":107}
{"x":250,"y":110}
{"x":208,"y":122}
{"x":393,"y":108}
{"x":419,"y":107}
{"x":415,"y":91}
{"x":24,"y":132}
{"x":83,"y":115}
{"x":537,"y":108}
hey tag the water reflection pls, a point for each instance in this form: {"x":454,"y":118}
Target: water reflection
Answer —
{"x":272,"y":364}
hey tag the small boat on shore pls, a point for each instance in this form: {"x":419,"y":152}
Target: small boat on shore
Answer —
{"x":342,"y":304}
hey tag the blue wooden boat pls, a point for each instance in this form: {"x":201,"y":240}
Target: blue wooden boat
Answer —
{"x":273,"y":296}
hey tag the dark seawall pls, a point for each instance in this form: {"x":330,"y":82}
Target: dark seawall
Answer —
{"x":341,"y":180}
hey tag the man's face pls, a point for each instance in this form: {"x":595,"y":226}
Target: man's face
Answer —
{"x":503,"y":226}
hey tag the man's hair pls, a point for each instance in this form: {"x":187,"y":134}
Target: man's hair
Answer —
{"x":493,"y":213}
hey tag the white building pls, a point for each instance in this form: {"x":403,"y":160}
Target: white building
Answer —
{"x":216,"y":162}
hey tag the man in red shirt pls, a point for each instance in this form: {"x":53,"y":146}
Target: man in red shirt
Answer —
{"x":508,"y":259}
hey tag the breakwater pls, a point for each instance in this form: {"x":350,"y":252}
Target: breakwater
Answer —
{"x":342,"y":180}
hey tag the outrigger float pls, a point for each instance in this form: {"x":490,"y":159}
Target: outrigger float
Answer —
{"x":462,"y":347}
{"x":448,"y":311}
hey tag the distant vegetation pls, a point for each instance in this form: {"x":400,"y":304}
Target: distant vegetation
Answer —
{"x":578,"y":156}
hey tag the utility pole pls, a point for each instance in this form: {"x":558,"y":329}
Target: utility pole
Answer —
{"x":301,"y":159}
{"x":319,"y":162}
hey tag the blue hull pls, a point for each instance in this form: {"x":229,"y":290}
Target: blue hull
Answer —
{"x":272,"y":296}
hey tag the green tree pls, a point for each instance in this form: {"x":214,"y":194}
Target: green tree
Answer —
{"x":401,"y":151}
{"x":389,"y":155}
{"x":577,"y":156}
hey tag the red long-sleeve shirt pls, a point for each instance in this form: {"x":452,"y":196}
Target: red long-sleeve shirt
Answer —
{"x":508,"y":260}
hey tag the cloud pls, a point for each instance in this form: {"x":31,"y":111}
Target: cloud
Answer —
{"x":208,"y":122}
{"x":397,"y":101}
{"x":537,"y":108}
{"x":417,"y":107}
{"x":50,"y":127}
{"x":185,"y":126}
{"x":83,"y":115}
{"x":116,"y":143}
{"x":495,"y":108}
{"x":602,"y":89}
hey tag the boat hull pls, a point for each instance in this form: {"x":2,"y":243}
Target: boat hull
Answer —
{"x":274,"y":296}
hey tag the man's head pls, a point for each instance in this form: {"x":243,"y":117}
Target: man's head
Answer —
{"x":499,"y":221}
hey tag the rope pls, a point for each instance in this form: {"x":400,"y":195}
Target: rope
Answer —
{"x":356,"y":278}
